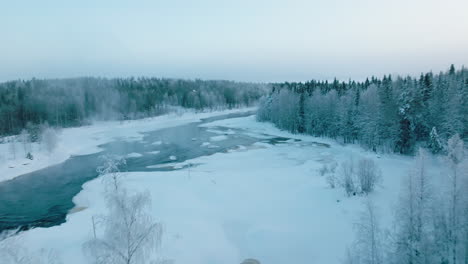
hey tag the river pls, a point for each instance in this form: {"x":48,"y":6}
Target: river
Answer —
{"x":43,"y":198}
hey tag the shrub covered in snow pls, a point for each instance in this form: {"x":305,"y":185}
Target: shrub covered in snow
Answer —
{"x":13,"y":252}
{"x":329,"y":171}
{"x":368,"y":175}
{"x":359,"y":177}
{"x":347,"y":177}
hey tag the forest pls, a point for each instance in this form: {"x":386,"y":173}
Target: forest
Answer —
{"x":404,"y":115}
{"x":27,"y":104}
{"x":389,"y":114}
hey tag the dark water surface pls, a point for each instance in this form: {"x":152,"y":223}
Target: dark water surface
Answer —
{"x":43,"y":198}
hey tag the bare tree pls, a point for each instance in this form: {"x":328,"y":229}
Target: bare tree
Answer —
{"x":455,"y":158}
{"x":368,"y":175}
{"x":129,"y":235}
{"x":464,"y":217}
{"x":360,"y":177}
{"x":129,"y":232}
{"x":347,"y":177}
{"x":368,"y":245}
{"x":414,"y":222}
{"x":331,"y":180}
{"x":329,"y":171}
{"x":111,"y":165}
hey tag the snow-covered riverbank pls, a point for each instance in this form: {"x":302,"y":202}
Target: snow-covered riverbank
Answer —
{"x":267,"y":202}
{"x":86,"y":139}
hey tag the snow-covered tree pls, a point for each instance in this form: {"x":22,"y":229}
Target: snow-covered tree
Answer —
{"x":329,"y":171}
{"x":112,"y":166}
{"x":359,"y":177}
{"x":464,"y":217}
{"x":368,"y":175}
{"x":413,"y":220}
{"x":367,"y":119}
{"x":435,"y":143}
{"x":129,"y":234}
{"x":455,"y":150}
{"x":347,"y":177}
{"x":389,"y":114}
{"x":457,"y":195}
{"x":74,"y":101}
{"x":368,"y":246}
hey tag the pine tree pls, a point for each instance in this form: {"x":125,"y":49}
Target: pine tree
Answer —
{"x":301,"y":121}
{"x":452,"y":69}
{"x":435,"y":144}
{"x":382,"y":115}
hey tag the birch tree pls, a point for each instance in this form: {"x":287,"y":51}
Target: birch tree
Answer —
{"x":455,"y":159}
{"x":414,"y":214}
{"x":129,"y":233}
{"x":368,"y":245}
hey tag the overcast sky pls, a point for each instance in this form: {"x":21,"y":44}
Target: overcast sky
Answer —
{"x":240,"y":40}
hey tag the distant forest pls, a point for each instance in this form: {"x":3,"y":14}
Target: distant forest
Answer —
{"x":389,"y":114}
{"x":73,"y":102}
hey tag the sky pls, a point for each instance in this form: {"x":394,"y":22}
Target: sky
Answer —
{"x":243,"y":40}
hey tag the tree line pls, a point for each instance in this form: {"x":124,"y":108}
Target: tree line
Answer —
{"x":26,"y":104}
{"x":389,"y":114}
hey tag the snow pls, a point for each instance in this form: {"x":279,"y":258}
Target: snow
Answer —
{"x":209,"y":145}
{"x":157,"y":143}
{"x":164,"y":165}
{"x":154,"y":152}
{"x":218,"y":138}
{"x":264,"y":201}
{"x":133,"y":155}
{"x":227,"y":132}
{"x":172,"y":157}
{"x":238,"y":148}
{"x":86,"y":139}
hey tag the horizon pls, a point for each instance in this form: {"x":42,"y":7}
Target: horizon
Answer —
{"x":393,"y":75}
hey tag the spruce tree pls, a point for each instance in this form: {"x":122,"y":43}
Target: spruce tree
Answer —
{"x":435,"y":143}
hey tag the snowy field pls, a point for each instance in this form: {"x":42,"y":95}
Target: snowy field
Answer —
{"x":86,"y":139}
{"x":265,"y":201}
